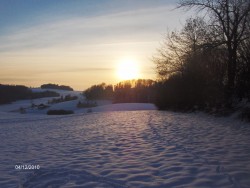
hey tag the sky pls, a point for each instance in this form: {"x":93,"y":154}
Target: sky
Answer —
{"x":81,"y":42}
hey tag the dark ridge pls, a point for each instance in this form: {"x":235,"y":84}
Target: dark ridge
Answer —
{"x":56,"y":86}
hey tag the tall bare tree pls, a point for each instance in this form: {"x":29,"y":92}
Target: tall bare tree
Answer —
{"x":230,"y":18}
{"x":178,"y":46}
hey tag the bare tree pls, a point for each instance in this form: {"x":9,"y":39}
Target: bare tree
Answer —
{"x":230,"y":18}
{"x":178,"y":46}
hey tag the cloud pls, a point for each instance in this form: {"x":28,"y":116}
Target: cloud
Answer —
{"x":143,"y":25}
{"x":87,"y":69}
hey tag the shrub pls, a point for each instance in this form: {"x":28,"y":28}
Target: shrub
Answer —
{"x":87,"y":104}
{"x":59,"y":112}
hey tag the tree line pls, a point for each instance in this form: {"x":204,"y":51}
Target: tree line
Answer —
{"x":11,"y":93}
{"x":139,"y":91}
{"x":207,"y":63}
{"x":56,"y":86}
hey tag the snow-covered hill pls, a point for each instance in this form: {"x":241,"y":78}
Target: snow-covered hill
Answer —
{"x":25,"y":106}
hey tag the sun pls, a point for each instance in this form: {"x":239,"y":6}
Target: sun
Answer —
{"x":128,"y":69}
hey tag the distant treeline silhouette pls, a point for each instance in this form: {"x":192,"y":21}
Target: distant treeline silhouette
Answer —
{"x":137,"y":91}
{"x":10,"y":93}
{"x":56,"y":86}
{"x":141,"y":91}
{"x":101,"y":91}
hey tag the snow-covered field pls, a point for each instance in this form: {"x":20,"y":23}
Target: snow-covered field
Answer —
{"x":124,"y":149}
{"x":120,"y":145}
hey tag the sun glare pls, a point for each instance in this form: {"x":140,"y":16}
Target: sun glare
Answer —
{"x":128,"y":69}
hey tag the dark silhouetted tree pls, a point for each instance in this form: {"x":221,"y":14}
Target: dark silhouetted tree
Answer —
{"x":229,"y":18}
{"x":101,"y":91}
{"x":179,"y":45}
{"x":199,"y":78}
{"x":138,"y":91}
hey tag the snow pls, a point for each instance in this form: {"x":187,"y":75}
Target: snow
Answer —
{"x":124,"y":149}
{"x":102,"y":105}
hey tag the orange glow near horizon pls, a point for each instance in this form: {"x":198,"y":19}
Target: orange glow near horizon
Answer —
{"x":109,"y":43}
